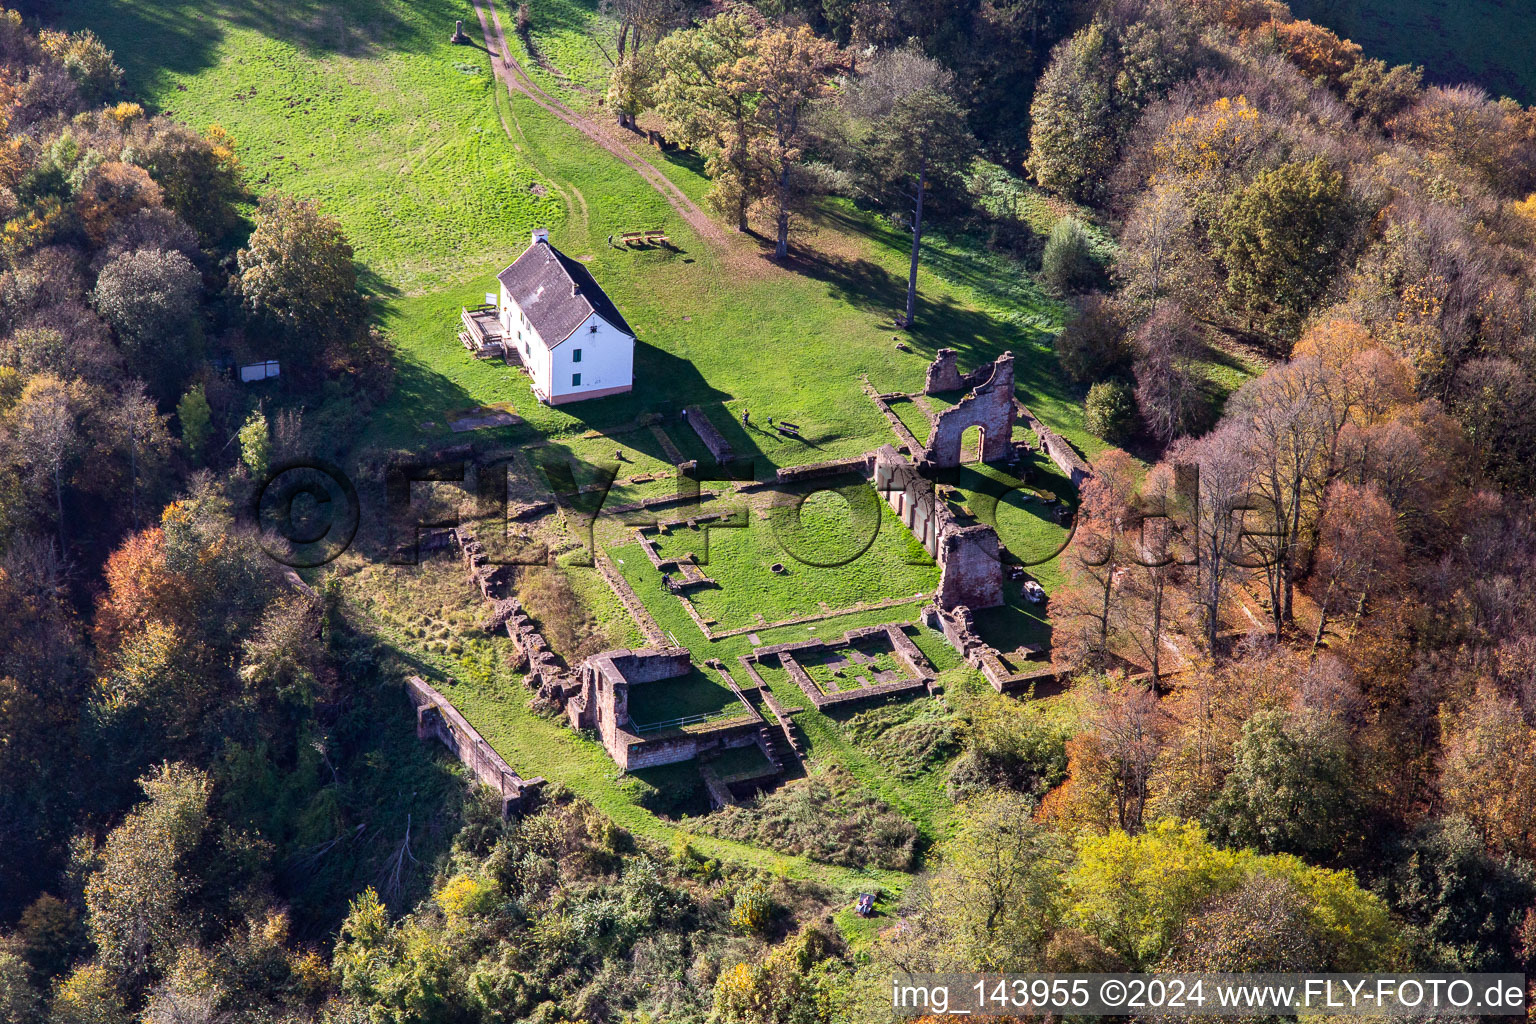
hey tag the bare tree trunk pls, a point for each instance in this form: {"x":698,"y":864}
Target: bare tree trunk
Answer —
{"x":1322,"y":617}
{"x":58,"y":498}
{"x":781,"y":249}
{"x":917,"y":241}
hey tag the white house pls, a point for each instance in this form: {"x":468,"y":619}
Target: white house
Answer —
{"x":564,"y":328}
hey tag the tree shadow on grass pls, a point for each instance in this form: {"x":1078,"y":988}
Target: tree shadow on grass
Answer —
{"x":155,"y":38}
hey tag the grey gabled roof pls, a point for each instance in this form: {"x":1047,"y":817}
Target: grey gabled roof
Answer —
{"x":556,"y":293}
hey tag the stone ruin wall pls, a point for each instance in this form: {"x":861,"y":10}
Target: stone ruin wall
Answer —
{"x":969,"y":557}
{"x":437,"y":718}
{"x":989,"y":406}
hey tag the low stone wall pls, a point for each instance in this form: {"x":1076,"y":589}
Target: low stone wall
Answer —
{"x":715,"y":441}
{"x":959,"y":629}
{"x":818,"y":470}
{"x":437,"y":718}
{"x":1057,"y":448}
{"x":902,"y":648}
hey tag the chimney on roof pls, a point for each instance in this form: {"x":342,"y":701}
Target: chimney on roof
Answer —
{"x":540,"y":235}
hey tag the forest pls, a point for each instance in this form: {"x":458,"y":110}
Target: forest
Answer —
{"x":1299,"y":612}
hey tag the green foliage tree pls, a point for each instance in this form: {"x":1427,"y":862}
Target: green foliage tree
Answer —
{"x":1135,"y":894}
{"x":911,"y":139}
{"x":196,"y":421}
{"x":20,"y":1002}
{"x":1072,"y":139}
{"x":753,"y":909}
{"x":150,"y":299}
{"x":1466,"y":909}
{"x":702,"y":109}
{"x":137,"y":899}
{"x":199,"y":174}
{"x":1093,"y":342}
{"x":255,"y":443}
{"x":1109,"y":411}
{"x":998,"y":890}
{"x":793,"y":985}
{"x":297,"y":281}
{"x":1067,"y":264}
{"x":1289,"y":790}
{"x":1279,"y":240}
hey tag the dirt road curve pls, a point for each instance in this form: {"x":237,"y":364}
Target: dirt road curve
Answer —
{"x":516,"y":79}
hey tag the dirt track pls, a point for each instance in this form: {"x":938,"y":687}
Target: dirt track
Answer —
{"x":511,"y":72}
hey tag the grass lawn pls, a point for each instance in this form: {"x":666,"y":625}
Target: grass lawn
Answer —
{"x":438,"y":175}
{"x":697,"y":693}
{"x":912,"y":417}
{"x":834,"y":556}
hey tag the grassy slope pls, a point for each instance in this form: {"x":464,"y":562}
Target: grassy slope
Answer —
{"x":438,"y":176}
{"x":1488,"y":42}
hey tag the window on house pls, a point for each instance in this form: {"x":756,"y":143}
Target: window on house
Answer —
{"x":575,"y":380}
{"x":576,"y":355}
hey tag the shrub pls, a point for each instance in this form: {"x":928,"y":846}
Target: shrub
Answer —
{"x":1093,"y":343}
{"x":1110,"y":410}
{"x":828,"y":817}
{"x":753,"y":910}
{"x":1067,"y":264}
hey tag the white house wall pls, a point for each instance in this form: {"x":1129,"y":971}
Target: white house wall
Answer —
{"x":607,"y":363}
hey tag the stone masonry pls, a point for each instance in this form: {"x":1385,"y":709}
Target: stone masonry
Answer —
{"x":969,"y":557}
{"x":989,"y":406}
{"x":601,"y":703}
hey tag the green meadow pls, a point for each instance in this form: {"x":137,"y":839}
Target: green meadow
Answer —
{"x":1487,"y":42}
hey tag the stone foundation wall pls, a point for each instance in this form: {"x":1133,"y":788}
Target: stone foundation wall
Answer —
{"x":715,"y":441}
{"x":819,"y":470}
{"x":437,"y":718}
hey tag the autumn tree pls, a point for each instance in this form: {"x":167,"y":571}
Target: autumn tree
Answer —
{"x":785,"y":71}
{"x":1489,"y":775}
{"x":45,"y":429}
{"x":1169,"y":392}
{"x":1097,"y":551}
{"x":702,"y":105}
{"x":1214,"y":526}
{"x":640,"y":26}
{"x":1093,"y":343}
{"x":1359,"y":553}
{"x":1293,"y":418}
{"x":112,"y":193}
